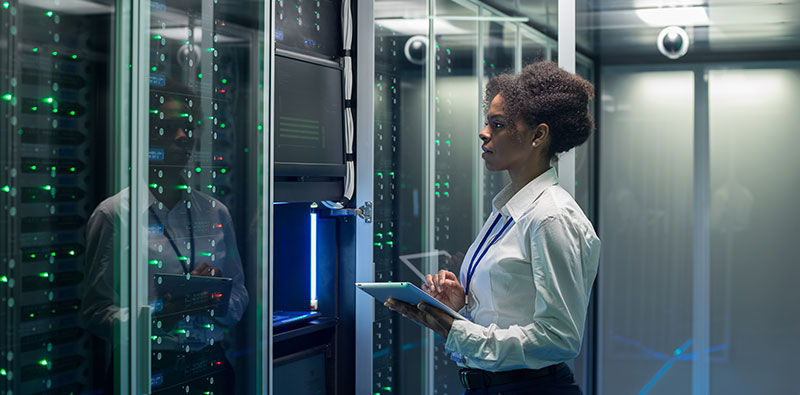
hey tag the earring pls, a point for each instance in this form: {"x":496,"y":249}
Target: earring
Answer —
{"x":534,"y":144}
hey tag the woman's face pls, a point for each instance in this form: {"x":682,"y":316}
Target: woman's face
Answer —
{"x":502,"y":148}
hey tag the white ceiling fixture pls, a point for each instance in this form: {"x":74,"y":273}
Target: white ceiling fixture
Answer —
{"x":674,"y":16}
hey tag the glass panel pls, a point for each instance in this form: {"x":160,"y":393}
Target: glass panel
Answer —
{"x":499,"y":40}
{"x":59,"y":156}
{"x":533,"y":48}
{"x":401,"y":103}
{"x":203,"y":204}
{"x":457,"y":161}
{"x":754,"y":219}
{"x":646,"y":224}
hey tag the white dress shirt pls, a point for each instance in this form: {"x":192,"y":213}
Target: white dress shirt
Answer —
{"x":529,"y":293}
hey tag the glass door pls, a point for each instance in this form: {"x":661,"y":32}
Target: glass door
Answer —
{"x":201,"y":198}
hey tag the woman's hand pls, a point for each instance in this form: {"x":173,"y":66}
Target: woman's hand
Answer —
{"x":425,"y":314}
{"x":445,"y":288}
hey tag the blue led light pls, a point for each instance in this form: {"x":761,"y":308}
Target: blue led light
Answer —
{"x":313,"y":257}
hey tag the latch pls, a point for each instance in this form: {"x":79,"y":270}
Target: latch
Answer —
{"x":365,"y":212}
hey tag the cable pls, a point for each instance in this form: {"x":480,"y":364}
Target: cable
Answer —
{"x":349,"y":125}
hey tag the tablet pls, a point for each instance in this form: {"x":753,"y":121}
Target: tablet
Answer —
{"x":406,"y":292}
{"x":181,"y":293}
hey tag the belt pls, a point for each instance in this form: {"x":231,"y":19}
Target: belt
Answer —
{"x":475,"y":378}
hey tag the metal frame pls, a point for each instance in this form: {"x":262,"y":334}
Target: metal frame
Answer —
{"x":139,"y":309}
{"x":267,"y":199}
{"x":365,"y":123}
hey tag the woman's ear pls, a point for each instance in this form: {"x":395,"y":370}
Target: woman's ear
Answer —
{"x":541,"y":135}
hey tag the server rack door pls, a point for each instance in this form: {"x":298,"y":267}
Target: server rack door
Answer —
{"x":400,"y":138}
{"x":202,"y":203}
{"x":60,"y":158}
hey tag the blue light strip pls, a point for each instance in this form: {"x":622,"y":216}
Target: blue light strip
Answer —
{"x":313,"y":257}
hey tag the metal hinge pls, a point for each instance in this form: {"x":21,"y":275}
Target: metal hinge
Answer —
{"x":365,"y":212}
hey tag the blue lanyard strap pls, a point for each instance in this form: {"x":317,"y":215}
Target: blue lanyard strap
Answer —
{"x":474,"y":262}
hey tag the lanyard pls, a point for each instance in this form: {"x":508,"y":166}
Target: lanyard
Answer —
{"x":172,"y":242}
{"x":474,"y":263}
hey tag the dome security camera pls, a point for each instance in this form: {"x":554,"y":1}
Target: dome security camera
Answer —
{"x":416,"y":49}
{"x":673,"y":42}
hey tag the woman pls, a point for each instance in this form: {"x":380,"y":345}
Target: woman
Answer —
{"x":526,"y":280}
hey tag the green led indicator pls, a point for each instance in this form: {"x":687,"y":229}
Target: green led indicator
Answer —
{"x":437,"y":141}
{"x":207,"y":326}
{"x":8,"y":97}
{"x":379,"y":174}
{"x":44,"y":361}
{"x":447,"y":142}
{"x":72,"y":252}
{"x":157,"y":37}
{"x":52,"y":253}
{"x":154,"y":185}
{"x":389,"y":243}
{"x":35,"y":50}
{"x":47,"y":187}
{"x":50,"y":14}
{"x":153,"y":111}
{"x":4,"y":279}
{"x":74,"y":56}
{"x":200,"y":75}
{"x":32,"y":315}
{"x":48,"y":100}
{"x":34,"y":108}
{"x":447,"y":193}
{"x":245,"y":150}
{"x":197,"y":169}
{"x":153,"y":337}
{"x":210,"y":49}
{"x":154,"y":68}
{"x":437,"y":193}
{"x":448,"y":50}
{"x":72,"y":113}
{"x":379,"y":235}
{"x":260,"y":127}
{"x":390,"y":234}
{"x":491,"y":65}
{"x":186,"y":42}
{"x":44,"y":274}
{"x":181,"y":331}
{"x":377,"y":244}
{"x":183,"y":258}
{"x":153,"y":262}
{"x":391,"y":173}
{"x":387,"y":388}
{"x":184,"y":115}
{"x":205,"y":253}
{"x":55,"y":110}
{"x":224,"y":81}
{"x":54,"y":53}
{"x":181,"y":186}
{"x":72,"y":169}
{"x":447,"y":184}
{"x":33,"y":256}
{"x":223,"y":171}
{"x":211,"y":117}
{"x":437,"y":185}
{"x":5,"y":5}
{"x":222,"y":125}
{"x":379,"y":84}
{"x":6,"y":189}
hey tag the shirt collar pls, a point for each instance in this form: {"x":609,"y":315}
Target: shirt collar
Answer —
{"x":515,"y":204}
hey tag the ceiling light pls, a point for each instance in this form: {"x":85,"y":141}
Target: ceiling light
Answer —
{"x":678,"y":16}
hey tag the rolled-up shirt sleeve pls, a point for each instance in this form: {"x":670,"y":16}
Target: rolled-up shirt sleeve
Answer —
{"x":561,"y":259}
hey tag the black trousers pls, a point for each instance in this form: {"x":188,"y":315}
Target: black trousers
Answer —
{"x":561,"y":382}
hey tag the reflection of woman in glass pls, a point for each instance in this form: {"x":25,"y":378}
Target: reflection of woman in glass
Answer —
{"x":189,"y":233}
{"x":526,"y":279}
